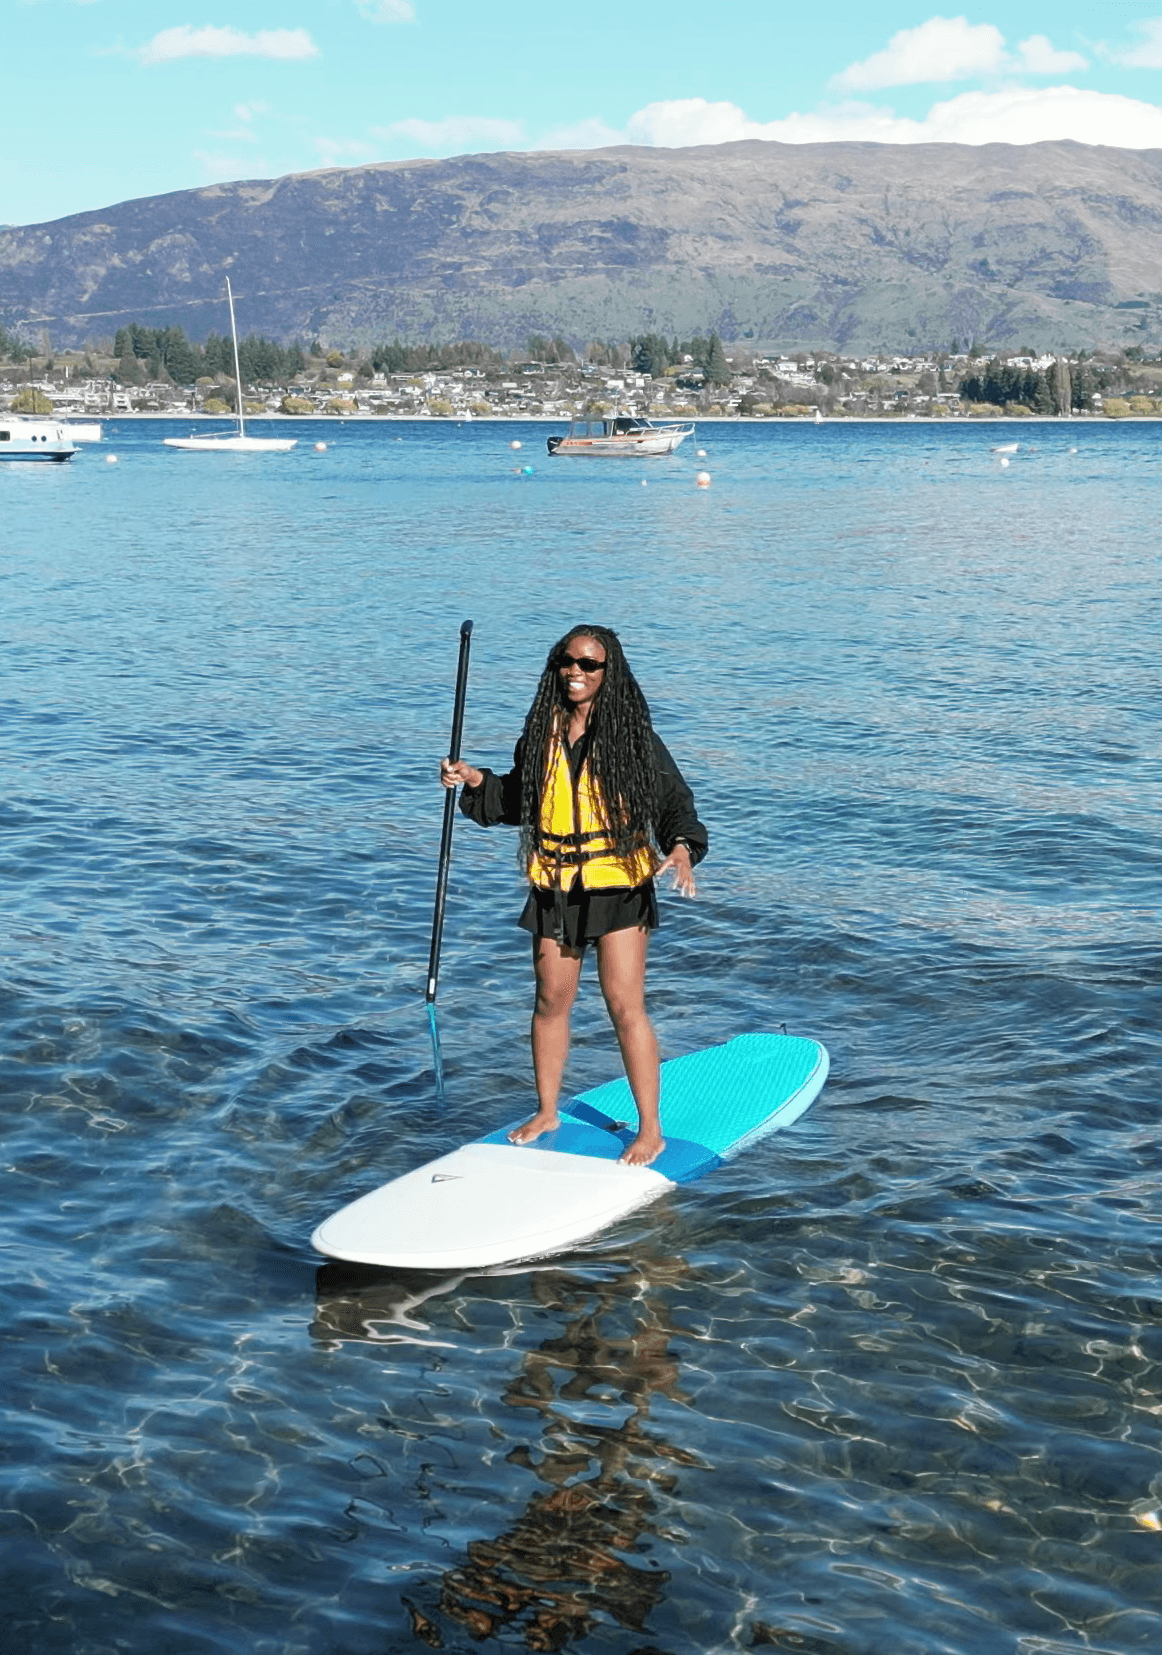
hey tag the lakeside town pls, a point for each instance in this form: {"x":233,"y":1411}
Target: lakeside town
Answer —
{"x":159,"y":372}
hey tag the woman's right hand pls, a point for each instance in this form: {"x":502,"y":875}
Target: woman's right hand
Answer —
{"x":460,"y":774}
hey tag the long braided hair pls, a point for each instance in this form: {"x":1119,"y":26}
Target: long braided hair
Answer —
{"x":621,"y":746}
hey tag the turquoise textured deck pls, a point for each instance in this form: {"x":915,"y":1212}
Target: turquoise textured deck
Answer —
{"x":714,"y":1103}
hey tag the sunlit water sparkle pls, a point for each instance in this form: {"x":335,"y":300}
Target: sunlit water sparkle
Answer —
{"x":888,"y":1385}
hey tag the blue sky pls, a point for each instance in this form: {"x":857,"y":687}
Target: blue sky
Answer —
{"x":110,"y":99}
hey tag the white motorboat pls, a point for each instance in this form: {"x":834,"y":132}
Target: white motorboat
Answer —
{"x":81,"y":430}
{"x":621,"y":436}
{"x":237,"y":442}
{"x":34,"y":439}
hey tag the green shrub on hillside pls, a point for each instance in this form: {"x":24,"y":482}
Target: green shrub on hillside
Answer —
{"x":31,"y":401}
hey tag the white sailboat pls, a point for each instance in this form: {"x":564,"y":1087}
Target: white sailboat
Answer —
{"x":239,"y":443}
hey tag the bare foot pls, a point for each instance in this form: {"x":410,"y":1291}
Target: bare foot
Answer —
{"x":643,"y":1152}
{"x":545,"y":1120}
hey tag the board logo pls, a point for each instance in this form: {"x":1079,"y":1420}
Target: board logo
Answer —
{"x":446,"y":1178}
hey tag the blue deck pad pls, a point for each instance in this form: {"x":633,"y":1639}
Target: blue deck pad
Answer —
{"x":714,"y":1103}
{"x":681,"y":1161}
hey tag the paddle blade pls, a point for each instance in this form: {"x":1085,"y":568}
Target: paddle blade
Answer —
{"x":437,"y":1054}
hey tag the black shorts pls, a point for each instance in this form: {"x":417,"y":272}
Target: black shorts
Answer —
{"x":578,"y":916}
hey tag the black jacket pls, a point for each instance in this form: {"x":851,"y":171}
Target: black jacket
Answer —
{"x":497,"y":799}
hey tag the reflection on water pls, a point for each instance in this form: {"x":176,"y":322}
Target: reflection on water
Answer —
{"x":889,"y":1384}
{"x":570,"y":1555}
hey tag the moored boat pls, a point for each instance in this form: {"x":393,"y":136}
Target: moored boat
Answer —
{"x":237,"y":442}
{"x":34,"y":439}
{"x":621,"y":436}
{"x":232,"y":443}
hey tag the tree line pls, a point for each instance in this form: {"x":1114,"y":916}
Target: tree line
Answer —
{"x":145,"y":353}
{"x":651,"y":353}
{"x":1056,"y":390}
{"x":417,"y":359}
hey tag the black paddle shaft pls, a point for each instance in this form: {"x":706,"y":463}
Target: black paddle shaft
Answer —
{"x":449,"y":812}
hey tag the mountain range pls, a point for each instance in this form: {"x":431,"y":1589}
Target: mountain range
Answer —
{"x":845,"y":246}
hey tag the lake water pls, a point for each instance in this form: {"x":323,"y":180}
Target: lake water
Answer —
{"x":890,"y":1384}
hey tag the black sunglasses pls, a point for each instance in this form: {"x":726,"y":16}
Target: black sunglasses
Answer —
{"x":585,"y":662}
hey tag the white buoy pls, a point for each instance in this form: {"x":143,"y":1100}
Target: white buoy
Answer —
{"x":701,"y":453}
{"x":320,"y":448}
{"x":645,"y":482}
{"x":703,"y":479}
{"x":110,"y":459}
{"x":514,"y":445}
{"x":1004,"y":460}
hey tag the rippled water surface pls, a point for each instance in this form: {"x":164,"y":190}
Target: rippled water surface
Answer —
{"x":891,"y":1384}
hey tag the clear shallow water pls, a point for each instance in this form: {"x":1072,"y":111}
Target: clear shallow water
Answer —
{"x":889,"y":1385}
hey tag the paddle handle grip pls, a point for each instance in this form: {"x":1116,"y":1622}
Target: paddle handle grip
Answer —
{"x":449,"y":813}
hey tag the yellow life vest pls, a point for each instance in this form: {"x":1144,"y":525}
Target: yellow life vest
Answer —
{"x":574,"y":835}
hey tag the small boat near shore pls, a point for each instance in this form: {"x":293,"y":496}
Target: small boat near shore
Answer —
{"x":621,"y":436}
{"x":238,"y":442}
{"x":34,"y":439}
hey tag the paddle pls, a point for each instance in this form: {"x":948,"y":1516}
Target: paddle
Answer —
{"x":446,"y":853}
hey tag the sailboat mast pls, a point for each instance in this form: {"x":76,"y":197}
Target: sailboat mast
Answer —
{"x":237,"y":369}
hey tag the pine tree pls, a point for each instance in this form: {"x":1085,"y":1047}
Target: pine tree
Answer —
{"x":178,"y":356}
{"x":216,"y":351}
{"x":144,"y":341}
{"x":716,"y":370}
{"x":128,"y":370}
{"x":650,"y":354}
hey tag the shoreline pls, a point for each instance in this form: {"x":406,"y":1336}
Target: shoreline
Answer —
{"x":554,"y":419}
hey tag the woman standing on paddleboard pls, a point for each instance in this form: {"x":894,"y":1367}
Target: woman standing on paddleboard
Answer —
{"x":603,"y":812}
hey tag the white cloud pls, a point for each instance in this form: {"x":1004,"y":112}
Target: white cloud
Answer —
{"x":338,"y":152}
{"x":208,"y":41}
{"x":588,"y":134}
{"x":245,"y":114}
{"x":218,"y":168}
{"x":387,"y":11}
{"x":235,"y":135}
{"x":455,"y":134}
{"x":1016,"y":115}
{"x":1148,"y":53}
{"x":944,"y":48}
{"x":1029,"y":115}
{"x":952,"y":48}
{"x":682,"y":121}
{"x":1039,"y":56}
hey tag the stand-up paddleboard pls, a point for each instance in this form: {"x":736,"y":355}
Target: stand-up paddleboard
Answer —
{"x":492,"y":1202}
